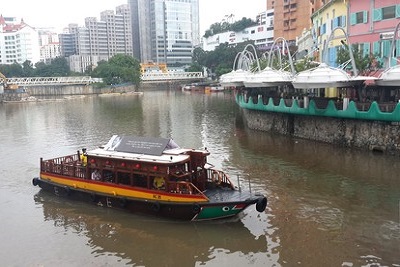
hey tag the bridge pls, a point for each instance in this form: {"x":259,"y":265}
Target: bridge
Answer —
{"x":86,"y":80}
{"x":171,"y":76}
{"x":34,"y":81}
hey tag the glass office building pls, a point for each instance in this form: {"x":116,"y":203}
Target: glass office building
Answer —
{"x":165,"y":31}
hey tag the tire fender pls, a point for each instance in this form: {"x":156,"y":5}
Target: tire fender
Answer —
{"x":93,"y":197}
{"x":122,"y":202}
{"x":155,"y":207}
{"x":67,"y":190}
{"x":35,"y":181}
{"x":261,"y":204}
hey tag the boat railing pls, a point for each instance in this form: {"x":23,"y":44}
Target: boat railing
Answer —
{"x":67,"y":165}
{"x":363,"y":106}
{"x":387,"y":107}
{"x":288,"y":102}
{"x":219,"y":178}
{"x":183,"y":187}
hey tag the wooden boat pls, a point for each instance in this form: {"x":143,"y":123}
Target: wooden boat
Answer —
{"x":215,"y":88}
{"x":148,"y":175}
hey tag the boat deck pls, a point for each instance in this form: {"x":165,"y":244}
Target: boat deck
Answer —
{"x":219,"y":195}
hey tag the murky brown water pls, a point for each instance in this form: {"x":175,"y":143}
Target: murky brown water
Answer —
{"x":327,"y":206}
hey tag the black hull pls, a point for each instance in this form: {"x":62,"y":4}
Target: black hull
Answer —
{"x":177,"y":211}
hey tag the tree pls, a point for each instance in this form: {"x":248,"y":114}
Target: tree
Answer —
{"x":28,"y":69}
{"x":58,"y":67}
{"x":198,"y":55}
{"x":242,"y":24}
{"x":195,"y":67}
{"x":366,"y":64}
{"x":11,"y":70}
{"x":225,"y":26}
{"x":219,"y":61}
{"x":305,"y":64}
{"x":119,"y":69}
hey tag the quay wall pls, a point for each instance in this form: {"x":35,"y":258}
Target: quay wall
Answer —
{"x":160,"y":85}
{"x":61,"y":90}
{"x":30,"y":92}
{"x":372,"y":135}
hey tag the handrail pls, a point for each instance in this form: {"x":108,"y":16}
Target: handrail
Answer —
{"x":219,"y":177}
{"x":175,"y":187}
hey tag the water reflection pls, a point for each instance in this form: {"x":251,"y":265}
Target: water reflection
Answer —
{"x":149,"y":241}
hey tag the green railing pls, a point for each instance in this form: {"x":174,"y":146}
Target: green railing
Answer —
{"x":351,"y":112}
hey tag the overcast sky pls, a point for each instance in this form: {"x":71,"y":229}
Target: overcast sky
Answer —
{"x":58,"y":14}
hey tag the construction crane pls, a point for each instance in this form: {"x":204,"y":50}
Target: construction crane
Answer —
{"x":3,"y":81}
{"x":151,"y":66}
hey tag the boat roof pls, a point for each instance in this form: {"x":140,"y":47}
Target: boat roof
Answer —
{"x":148,"y":149}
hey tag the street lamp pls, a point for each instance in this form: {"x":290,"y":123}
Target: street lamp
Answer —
{"x":325,"y":52}
{"x":393,"y":46}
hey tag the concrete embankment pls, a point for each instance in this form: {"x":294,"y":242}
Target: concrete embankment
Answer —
{"x":60,"y":90}
{"x":362,"y":134}
{"x":22,"y":93}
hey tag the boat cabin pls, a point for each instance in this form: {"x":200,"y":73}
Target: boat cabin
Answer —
{"x":148,"y":163}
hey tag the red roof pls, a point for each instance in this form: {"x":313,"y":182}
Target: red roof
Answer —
{"x":2,"y":20}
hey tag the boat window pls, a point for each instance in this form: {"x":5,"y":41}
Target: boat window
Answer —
{"x":108,"y":176}
{"x":123,"y":178}
{"x":158,"y":182}
{"x":96,"y":175}
{"x":140,"y":180}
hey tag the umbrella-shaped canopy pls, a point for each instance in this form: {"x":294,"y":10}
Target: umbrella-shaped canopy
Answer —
{"x":324,"y":76}
{"x":234,"y":78}
{"x":268,"y":78}
{"x":390,"y":77}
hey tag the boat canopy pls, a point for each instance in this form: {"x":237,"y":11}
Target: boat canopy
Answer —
{"x":140,"y":145}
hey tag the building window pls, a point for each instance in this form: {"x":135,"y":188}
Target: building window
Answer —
{"x":388,"y":12}
{"x":359,"y":17}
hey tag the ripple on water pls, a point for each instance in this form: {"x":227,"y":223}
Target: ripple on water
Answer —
{"x":328,"y":218}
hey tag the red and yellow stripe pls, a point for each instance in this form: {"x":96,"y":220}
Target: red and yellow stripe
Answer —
{"x":121,"y":190}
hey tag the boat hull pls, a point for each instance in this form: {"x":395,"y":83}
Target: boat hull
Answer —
{"x":188,"y":211}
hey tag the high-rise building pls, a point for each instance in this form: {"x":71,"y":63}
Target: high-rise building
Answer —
{"x":165,"y":31}
{"x":98,"y":39}
{"x":18,"y":42}
{"x":49,"y":45}
{"x":293,"y":16}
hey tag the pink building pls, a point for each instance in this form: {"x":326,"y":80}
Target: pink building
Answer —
{"x":371,"y":26}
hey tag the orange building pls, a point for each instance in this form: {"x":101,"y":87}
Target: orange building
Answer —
{"x":291,"y":17}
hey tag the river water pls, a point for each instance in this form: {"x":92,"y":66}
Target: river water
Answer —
{"x":328,"y":206}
